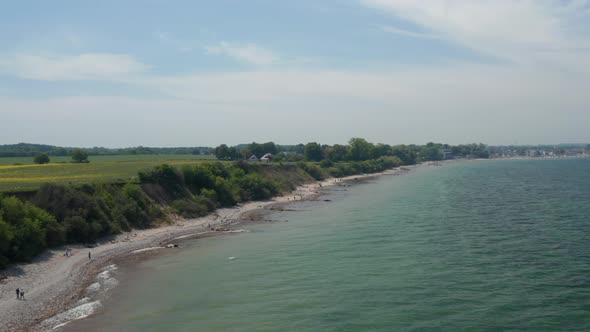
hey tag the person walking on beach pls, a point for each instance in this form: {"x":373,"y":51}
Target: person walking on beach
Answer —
{"x":22,"y":294}
{"x":89,"y":256}
{"x":18,"y":293}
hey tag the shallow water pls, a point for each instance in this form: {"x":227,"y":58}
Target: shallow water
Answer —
{"x":470,"y":246}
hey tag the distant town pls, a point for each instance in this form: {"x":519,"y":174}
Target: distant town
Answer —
{"x":574,"y":150}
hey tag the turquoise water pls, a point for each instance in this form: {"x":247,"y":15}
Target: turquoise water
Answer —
{"x":469,"y":246}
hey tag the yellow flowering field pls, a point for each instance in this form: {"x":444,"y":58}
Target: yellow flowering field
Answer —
{"x":15,"y":178}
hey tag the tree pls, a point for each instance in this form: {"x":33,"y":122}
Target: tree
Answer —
{"x":41,"y":158}
{"x":261,"y":149}
{"x":407,"y":154}
{"x":299,"y":148}
{"x":359,"y":149}
{"x":430,"y":152}
{"x":245,"y":153}
{"x":269,"y":147}
{"x":256,"y":149}
{"x":233,"y":153}
{"x":80,"y":156}
{"x":313,"y":152}
{"x":222,"y":152}
{"x":379,"y":150}
{"x":337,"y":153}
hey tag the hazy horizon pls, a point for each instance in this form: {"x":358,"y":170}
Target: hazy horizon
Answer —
{"x":290,"y":144}
{"x":183,"y":73}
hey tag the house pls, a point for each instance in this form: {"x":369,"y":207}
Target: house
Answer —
{"x":446,"y":153}
{"x":253,"y":158}
{"x":533,"y":153}
{"x":267,"y":157}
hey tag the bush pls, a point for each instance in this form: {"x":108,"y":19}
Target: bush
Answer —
{"x":190,"y":208}
{"x":313,"y":170}
{"x":80,"y":156}
{"x":197,"y":177}
{"x":256,"y":187}
{"x":6,"y":236}
{"x":21,"y":229}
{"x":227,"y":192}
{"x":76,"y":229}
{"x":41,"y":158}
{"x":326,"y":163}
{"x":166,"y":176}
{"x":55,"y":233}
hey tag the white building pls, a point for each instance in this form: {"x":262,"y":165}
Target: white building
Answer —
{"x":267,"y":157}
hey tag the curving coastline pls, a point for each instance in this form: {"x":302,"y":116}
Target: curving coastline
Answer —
{"x":55,"y":284}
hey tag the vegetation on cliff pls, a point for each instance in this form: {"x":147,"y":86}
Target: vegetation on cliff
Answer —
{"x":58,"y":213}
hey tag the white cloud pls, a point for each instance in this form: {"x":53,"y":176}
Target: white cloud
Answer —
{"x":87,"y":66}
{"x":533,"y":101}
{"x":528,"y":32}
{"x":408,"y":33}
{"x":460,"y":84}
{"x":247,"y":53}
{"x":453,"y":104}
{"x":168,"y":39}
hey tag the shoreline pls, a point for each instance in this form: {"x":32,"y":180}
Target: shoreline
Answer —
{"x":55,"y":284}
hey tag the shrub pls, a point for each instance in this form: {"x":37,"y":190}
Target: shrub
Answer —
{"x":6,"y":236}
{"x":326,"y":163}
{"x":313,"y":170}
{"x":190,"y":208}
{"x":41,"y":158}
{"x":199,"y":176}
{"x":80,"y":156}
{"x":55,"y":233}
{"x":76,"y":229}
{"x":166,"y":176}
{"x":227,"y":192}
{"x":256,"y":187}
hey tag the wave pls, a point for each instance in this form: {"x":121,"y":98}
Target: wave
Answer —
{"x":145,"y":249}
{"x":79,"y":312}
{"x":89,"y":304}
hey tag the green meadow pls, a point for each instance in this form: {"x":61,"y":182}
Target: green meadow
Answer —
{"x":20,"y":174}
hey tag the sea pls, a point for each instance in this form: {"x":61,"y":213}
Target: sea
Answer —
{"x":498,"y":245}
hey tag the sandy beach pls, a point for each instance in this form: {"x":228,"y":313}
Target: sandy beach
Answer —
{"x":55,"y":283}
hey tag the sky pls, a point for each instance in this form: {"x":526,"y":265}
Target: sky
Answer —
{"x":200,"y":73}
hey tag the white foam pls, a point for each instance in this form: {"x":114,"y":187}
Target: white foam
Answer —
{"x":111,"y":267}
{"x":145,"y":249}
{"x":85,"y":307}
{"x":231,"y":258}
{"x":95,"y":287}
{"x":73,"y":314}
{"x":237,"y":231}
{"x":110,"y":283}
{"x":189,"y":235}
{"x":103,"y":275}
{"x":104,"y":280}
{"x":83,"y":300}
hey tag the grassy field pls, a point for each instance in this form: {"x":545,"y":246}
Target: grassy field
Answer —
{"x":100,"y":159}
{"x":100,"y":169}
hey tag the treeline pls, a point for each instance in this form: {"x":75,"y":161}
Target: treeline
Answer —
{"x":30,"y":150}
{"x":357,"y":149}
